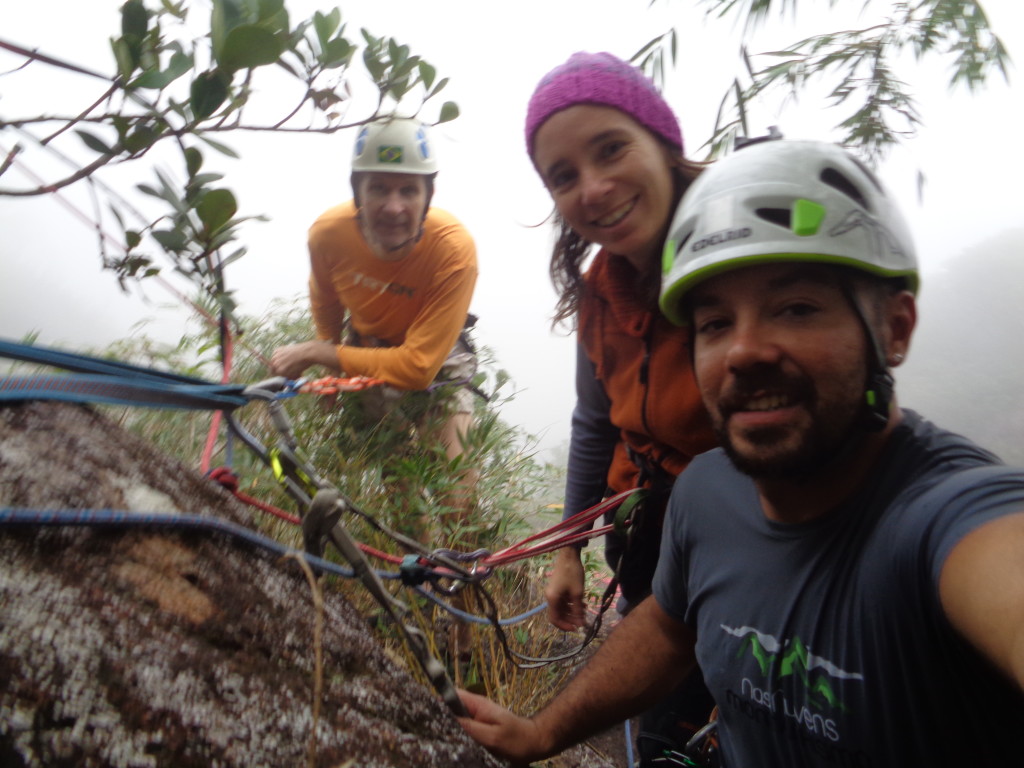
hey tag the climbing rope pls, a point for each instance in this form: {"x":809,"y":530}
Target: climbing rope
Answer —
{"x":107,"y":381}
{"x":111,"y":518}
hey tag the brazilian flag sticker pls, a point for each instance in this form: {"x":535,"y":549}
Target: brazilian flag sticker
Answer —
{"x":390,"y":154}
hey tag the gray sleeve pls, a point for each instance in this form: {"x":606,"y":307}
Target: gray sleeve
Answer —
{"x":669,"y":584}
{"x":592,"y":442}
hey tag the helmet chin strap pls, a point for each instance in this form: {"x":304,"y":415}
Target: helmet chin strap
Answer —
{"x":414,"y":239}
{"x":388,"y":249}
{"x":879,"y":383}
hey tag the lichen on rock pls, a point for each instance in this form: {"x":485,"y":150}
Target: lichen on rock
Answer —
{"x":140,"y":647}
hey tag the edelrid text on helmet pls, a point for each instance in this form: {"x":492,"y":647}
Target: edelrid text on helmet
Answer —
{"x":779,"y":201}
{"x":395,"y":145}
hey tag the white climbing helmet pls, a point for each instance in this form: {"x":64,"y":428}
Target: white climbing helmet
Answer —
{"x":781,"y":200}
{"x":395,"y":145}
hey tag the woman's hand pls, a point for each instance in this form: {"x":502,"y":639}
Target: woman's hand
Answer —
{"x":564,"y":591}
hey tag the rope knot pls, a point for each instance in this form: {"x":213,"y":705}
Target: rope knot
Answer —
{"x":225,"y":477}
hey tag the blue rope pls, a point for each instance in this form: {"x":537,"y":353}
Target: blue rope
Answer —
{"x":90,"y":388}
{"x":69,"y":361}
{"x":111,"y":382}
{"x":479,"y":619}
{"x":108,"y":518}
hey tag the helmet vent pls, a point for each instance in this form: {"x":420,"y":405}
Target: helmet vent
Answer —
{"x":842,"y":183}
{"x":780,"y":216}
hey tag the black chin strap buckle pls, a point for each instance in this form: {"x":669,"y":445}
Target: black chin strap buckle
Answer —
{"x":877,"y":399}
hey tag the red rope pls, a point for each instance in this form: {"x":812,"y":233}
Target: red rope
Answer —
{"x":229,"y":480}
{"x":549,"y":542}
{"x":547,"y":539}
{"x":211,"y":436}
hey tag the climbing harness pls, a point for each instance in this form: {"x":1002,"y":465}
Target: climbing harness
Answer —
{"x":701,"y":751}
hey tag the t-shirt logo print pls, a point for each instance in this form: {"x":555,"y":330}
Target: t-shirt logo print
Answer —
{"x":390,"y":154}
{"x":794,"y":683}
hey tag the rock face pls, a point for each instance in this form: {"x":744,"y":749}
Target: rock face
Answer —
{"x":156,"y":647}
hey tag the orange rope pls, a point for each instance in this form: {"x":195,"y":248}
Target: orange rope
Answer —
{"x":331,"y":385}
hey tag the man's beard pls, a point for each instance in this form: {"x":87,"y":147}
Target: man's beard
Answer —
{"x":833,"y":433}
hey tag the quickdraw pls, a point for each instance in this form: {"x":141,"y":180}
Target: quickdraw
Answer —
{"x":303,"y":484}
{"x":323,"y":521}
{"x":324,"y":506}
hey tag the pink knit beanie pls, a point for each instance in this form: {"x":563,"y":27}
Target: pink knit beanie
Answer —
{"x":604,"y":79}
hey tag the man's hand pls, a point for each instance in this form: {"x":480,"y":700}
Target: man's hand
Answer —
{"x":564,"y":591}
{"x":617,"y":683}
{"x":292,"y":360}
{"x":513,"y":738}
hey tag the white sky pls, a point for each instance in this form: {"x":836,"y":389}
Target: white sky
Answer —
{"x":50,"y":280}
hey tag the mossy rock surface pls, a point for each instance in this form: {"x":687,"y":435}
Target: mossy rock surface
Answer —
{"x":151,"y":647}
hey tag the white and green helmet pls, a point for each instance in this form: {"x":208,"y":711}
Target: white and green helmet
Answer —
{"x":779,"y":201}
{"x":395,"y":145}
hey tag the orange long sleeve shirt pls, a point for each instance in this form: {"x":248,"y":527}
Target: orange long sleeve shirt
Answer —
{"x":416,"y":306}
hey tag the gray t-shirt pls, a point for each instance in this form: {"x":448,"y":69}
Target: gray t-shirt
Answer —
{"x":824,"y":644}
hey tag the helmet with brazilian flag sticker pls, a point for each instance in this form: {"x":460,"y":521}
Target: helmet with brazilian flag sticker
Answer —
{"x":784,"y":201}
{"x":395,"y":145}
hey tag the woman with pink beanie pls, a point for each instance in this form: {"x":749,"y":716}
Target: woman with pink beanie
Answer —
{"x":610,"y":152}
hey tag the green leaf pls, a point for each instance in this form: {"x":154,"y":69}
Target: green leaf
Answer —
{"x":171,"y":239}
{"x":141,"y":138}
{"x":132,"y":238}
{"x":439,"y":87}
{"x":134,"y":18}
{"x":235,"y":256}
{"x":449,"y":111}
{"x":371,"y":59}
{"x":209,"y":90}
{"x":270,"y":10}
{"x":216,"y":208}
{"x":177,"y":10}
{"x":193,"y":161}
{"x":224,"y":149}
{"x":338,"y":53}
{"x":227,"y":303}
{"x":249,"y":46}
{"x":93,"y":142}
{"x":226,"y":15}
{"x":126,"y":61}
{"x":206,"y":178}
{"x":427,"y":74}
{"x":179,"y":64}
{"x":325,"y":26}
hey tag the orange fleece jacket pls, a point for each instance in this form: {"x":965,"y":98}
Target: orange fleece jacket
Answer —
{"x":658,"y":411}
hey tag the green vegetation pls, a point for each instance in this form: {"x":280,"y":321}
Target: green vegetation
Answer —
{"x":859,"y":68}
{"x":396,"y":478}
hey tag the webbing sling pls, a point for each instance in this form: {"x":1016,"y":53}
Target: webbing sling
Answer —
{"x":113,"y":391}
{"x":111,"y":382}
{"x":69,"y":361}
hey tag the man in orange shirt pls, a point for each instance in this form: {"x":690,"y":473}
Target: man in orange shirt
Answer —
{"x":392,"y":279}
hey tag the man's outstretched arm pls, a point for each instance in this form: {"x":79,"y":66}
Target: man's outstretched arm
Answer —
{"x":644,"y":658}
{"x":982,"y":592}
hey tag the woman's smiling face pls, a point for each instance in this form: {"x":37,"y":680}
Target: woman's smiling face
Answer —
{"x":610,"y":179}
